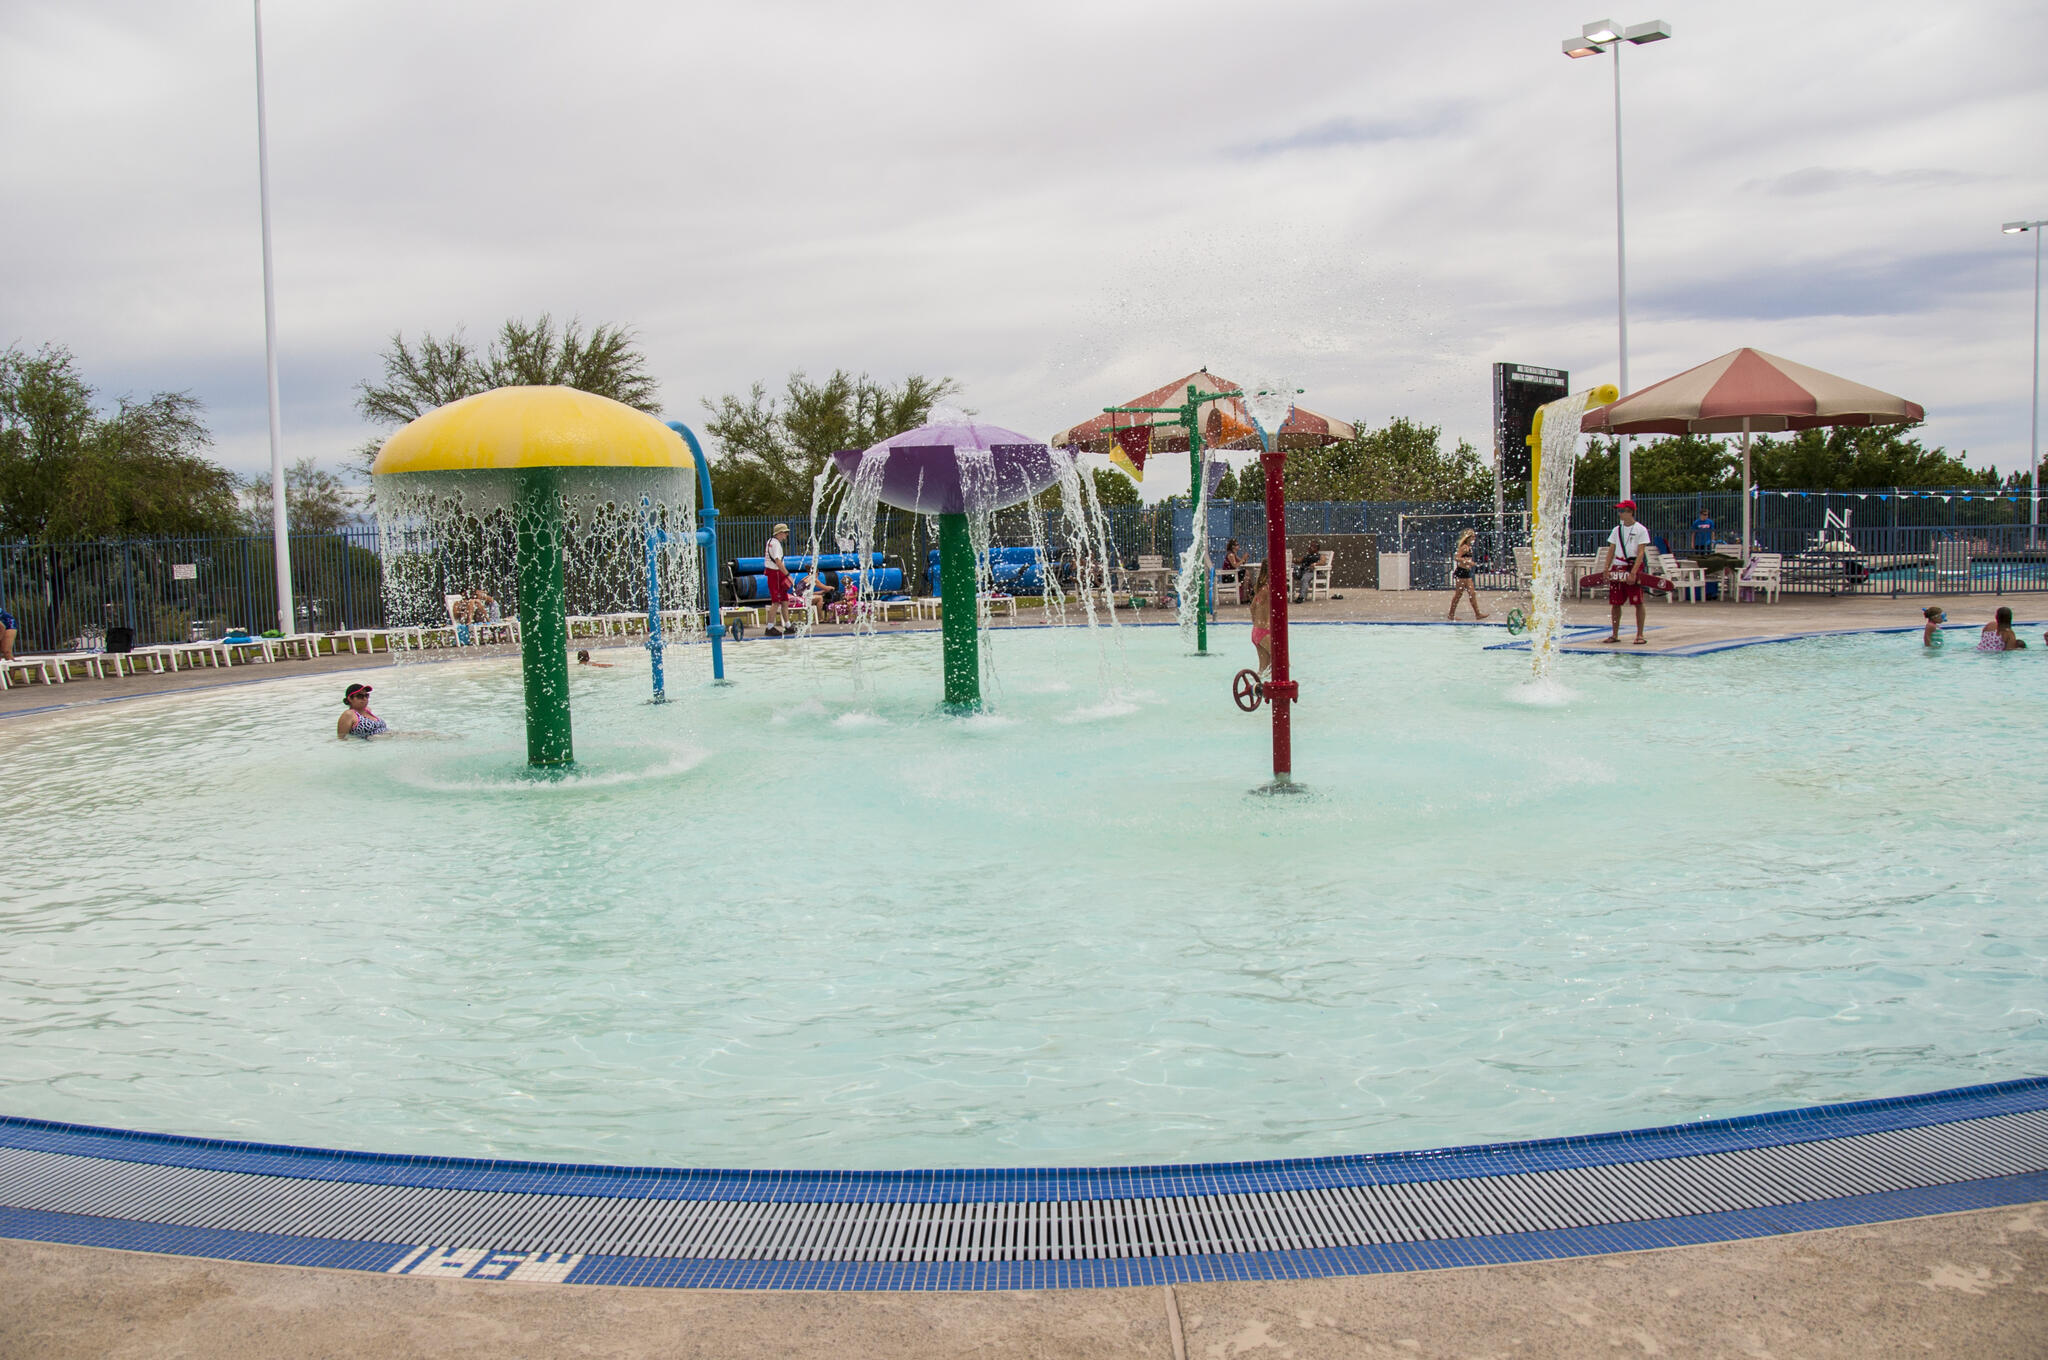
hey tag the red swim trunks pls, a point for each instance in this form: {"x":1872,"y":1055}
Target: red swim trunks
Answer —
{"x":1629,"y":594}
{"x":779,"y":591}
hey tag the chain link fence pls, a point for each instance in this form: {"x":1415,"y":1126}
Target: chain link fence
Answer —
{"x":1885,"y":541}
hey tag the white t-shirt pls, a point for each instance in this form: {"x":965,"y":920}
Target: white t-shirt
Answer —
{"x":1628,"y":541}
{"x":772,"y":554}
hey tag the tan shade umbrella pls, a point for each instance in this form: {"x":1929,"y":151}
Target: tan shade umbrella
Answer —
{"x":1750,"y":391}
{"x":1227,"y":424}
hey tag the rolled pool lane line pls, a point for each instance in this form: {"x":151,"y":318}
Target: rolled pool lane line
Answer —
{"x":494,"y":1221}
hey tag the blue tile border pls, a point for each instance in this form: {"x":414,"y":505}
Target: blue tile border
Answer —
{"x":1372,"y":1259}
{"x":1811,"y":1124}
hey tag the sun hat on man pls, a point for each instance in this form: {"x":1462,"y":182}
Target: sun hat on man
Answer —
{"x":782,"y":528}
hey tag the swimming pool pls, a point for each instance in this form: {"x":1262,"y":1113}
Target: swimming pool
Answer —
{"x":806,"y":921}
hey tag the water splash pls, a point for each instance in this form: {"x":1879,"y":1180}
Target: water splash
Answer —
{"x":1551,"y":533}
{"x":442,"y":533}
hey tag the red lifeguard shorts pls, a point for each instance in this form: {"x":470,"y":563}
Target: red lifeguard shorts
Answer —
{"x":779,"y":591}
{"x":1628,"y":594}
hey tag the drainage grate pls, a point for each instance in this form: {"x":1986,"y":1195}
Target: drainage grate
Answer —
{"x":1049,"y":1227}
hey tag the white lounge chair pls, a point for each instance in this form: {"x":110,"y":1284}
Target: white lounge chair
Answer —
{"x":1764,"y":575}
{"x":1683,"y":576}
{"x":1318,"y":585}
{"x":1229,"y":588}
{"x":23,"y":670}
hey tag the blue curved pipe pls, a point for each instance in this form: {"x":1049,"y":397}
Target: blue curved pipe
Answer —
{"x":707,"y":538}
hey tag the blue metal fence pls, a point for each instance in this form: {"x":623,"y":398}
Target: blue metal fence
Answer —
{"x":1904,"y":542}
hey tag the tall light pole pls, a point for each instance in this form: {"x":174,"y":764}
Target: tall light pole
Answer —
{"x":1604,"y":35}
{"x":280,"y":523}
{"x":2034,"y":429}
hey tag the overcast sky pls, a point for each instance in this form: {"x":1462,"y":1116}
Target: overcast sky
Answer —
{"x":1060,"y":204}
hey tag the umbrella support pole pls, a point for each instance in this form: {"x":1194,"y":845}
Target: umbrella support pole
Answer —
{"x":543,"y":620}
{"x":1188,"y":415}
{"x":1199,"y":549}
{"x":959,"y":614}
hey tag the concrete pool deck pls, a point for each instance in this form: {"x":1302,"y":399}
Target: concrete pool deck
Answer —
{"x":1972,"y":1283}
{"x":1675,"y":630}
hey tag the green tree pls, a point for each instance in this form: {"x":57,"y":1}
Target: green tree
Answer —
{"x":70,"y":471}
{"x":315,"y":500}
{"x":1674,"y":465}
{"x":1844,"y":458}
{"x":440,"y":369}
{"x":1401,"y":461}
{"x":771,"y":448}
{"x":1113,"y":486}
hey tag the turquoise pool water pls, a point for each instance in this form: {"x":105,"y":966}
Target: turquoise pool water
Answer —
{"x":804,"y":920}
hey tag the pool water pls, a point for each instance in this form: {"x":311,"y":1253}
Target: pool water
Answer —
{"x":805,"y":920}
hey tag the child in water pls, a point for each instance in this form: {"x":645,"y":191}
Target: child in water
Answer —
{"x":1998,"y":635}
{"x":1930,"y":636}
{"x":583,"y":659}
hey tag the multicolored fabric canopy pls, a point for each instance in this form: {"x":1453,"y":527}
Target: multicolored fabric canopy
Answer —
{"x":1754,"y":391}
{"x":1129,"y":440}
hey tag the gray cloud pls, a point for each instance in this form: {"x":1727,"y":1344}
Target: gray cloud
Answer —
{"x":1060,"y":206}
{"x":1822,"y":179}
{"x":1340,"y":132}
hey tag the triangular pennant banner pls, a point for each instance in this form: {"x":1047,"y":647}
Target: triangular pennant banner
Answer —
{"x":1133,"y":444}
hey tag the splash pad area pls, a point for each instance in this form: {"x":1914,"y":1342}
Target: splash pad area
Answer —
{"x":809,"y":920}
{"x":927,"y":901}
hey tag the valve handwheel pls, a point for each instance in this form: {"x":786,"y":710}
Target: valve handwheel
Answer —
{"x":1247,"y":691}
{"x":1516,"y":623}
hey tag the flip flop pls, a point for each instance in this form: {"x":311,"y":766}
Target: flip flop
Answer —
{"x":1604,"y":641}
{"x":1642,"y":642}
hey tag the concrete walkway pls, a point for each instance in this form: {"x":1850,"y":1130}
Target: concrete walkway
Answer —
{"x":1973,"y":1284}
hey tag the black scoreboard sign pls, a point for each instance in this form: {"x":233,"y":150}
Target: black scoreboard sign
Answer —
{"x":1518,"y":389}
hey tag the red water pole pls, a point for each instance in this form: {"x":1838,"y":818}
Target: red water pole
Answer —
{"x":1280,"y":691}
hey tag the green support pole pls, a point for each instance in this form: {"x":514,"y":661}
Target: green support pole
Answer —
{"x":957,"y":621}
{"x":1194,"y":426}
{"x":543,"y":620}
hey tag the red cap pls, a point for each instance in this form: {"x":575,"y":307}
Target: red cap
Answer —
{"x":1625,"y":505}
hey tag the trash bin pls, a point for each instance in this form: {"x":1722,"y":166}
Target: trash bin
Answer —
{"x":120,"y":639}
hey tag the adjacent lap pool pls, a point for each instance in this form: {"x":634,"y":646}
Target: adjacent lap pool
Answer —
{"x":805,"y":921}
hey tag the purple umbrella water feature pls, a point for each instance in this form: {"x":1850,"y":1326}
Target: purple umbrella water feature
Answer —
{"x":956,"y":470}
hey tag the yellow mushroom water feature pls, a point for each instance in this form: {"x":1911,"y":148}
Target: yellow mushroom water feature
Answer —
{"x":541,"y":461}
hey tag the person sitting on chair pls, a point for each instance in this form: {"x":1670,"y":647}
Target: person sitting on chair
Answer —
{"x":1234,"y":560}
{"x":1304,"y":568}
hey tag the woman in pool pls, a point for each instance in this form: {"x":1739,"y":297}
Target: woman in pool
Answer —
{"x":1262,"y":619}
{"x":1930,"y":636}
{"x":1998,"y":635}
{"x":356,"y":719}
{"x":1461,"y":574}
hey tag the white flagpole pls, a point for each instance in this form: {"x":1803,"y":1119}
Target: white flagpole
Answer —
{"x":280,"y":523}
